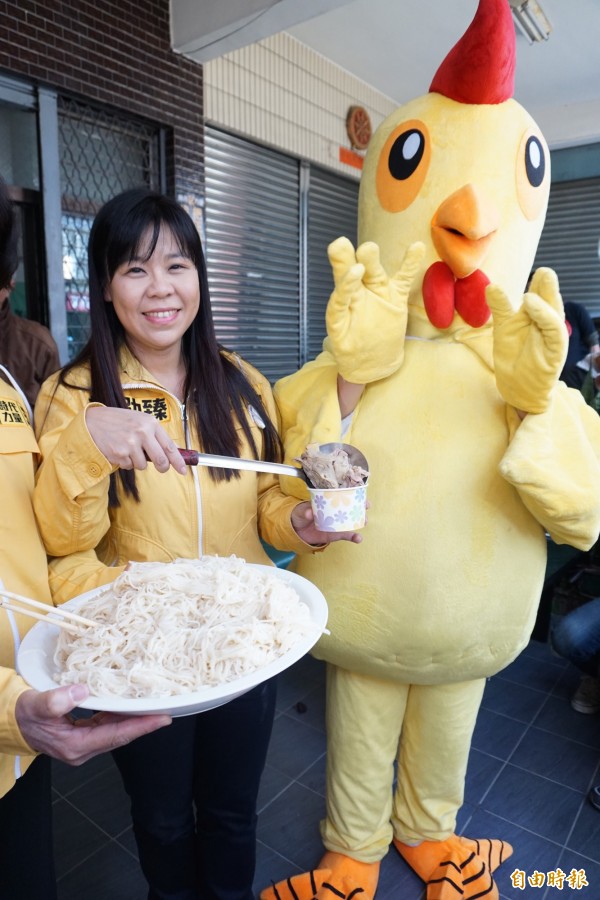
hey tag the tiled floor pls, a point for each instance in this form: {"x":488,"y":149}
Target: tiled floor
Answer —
{"x":532,"y":762}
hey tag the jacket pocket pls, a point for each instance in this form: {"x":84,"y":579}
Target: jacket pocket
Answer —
{"x":17,"y":438}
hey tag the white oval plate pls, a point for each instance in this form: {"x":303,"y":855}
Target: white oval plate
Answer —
{"x":35,"y":661}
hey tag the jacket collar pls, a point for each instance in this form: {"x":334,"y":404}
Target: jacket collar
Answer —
{"x":132,"y":369}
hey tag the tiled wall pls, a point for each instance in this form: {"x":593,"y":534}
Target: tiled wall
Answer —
{"x":116,"y":53}
{"x":280,"y":92}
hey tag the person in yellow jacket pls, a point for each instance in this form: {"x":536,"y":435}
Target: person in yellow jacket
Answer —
{"x":153,"y":378}
{"x":33,"y":723}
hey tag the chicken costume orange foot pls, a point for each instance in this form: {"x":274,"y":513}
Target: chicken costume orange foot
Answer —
{"x":338,"y":877}
{"x":457,"y":867}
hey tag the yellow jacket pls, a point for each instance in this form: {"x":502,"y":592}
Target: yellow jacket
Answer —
{"x":177,"y":516}
{"x":23,"y":570}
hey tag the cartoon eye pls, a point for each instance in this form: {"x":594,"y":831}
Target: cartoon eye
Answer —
{"x":533,"y":176}
{"x":535,"y":161}
{"x":403,"y":164}
{"x":406,"y":154}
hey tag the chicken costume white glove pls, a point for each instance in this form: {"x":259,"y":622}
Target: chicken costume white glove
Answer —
{"x":530,"y":344}
{"x":367,"y":311}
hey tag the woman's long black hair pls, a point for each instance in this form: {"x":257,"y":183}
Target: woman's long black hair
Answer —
{"x":216,"y":389}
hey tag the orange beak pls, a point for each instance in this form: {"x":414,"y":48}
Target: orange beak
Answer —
{"x":463,"y":228}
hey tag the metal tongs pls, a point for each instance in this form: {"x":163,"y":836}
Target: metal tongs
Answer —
{"x":195,"y":458}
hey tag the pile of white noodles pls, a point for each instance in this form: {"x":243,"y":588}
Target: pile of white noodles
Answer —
{"x":173,"y":628}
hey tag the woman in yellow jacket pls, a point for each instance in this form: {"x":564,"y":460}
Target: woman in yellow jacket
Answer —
{"x":32,"y":723}
{"x":153,"y":378}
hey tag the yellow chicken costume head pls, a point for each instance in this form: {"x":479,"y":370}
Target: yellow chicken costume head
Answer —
{"x":466,"y":170}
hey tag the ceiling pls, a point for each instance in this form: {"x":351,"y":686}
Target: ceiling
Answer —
{"x":396,"y":46}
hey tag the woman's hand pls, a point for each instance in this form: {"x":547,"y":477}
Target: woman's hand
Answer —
{"x":305,"y":528}
{"x":45,"y":722}
{"x":128,"y":439}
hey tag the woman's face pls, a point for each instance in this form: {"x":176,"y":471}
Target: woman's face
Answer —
{"x":157,"y":299}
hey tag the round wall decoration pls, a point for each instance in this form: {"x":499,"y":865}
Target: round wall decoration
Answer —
{"x":358,"y":127}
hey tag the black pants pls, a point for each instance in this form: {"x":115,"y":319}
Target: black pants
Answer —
{"x":193,"y":789}
{"x":26,"y":857}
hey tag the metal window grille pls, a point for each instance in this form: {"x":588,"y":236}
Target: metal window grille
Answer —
{"x":101,"y":154}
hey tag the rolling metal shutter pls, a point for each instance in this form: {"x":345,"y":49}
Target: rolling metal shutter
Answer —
{"x":253,"y":250}
{"x":269,"y":219}
{"x":569,"y":242}
{"x":332,"y":213}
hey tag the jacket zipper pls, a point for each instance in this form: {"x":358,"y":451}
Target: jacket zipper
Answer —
{"x":196,"y":477}
{"x":182,"y":408}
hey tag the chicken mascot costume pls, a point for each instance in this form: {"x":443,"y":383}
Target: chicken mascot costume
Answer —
{"x":448,"y":376}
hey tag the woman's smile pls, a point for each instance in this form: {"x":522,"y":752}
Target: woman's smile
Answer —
{"x":161,"y":315}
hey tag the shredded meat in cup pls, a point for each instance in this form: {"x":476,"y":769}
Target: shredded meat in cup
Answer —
{"x":330,"y":469}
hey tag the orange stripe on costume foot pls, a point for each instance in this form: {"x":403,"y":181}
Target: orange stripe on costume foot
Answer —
{"x":350,"y":878}
{"x":495,"y":852}
{"x":473,"y":880}
{"x":330,"y":890}
{"x":298,"y":887}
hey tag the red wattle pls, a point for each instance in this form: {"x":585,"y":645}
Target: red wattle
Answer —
{"x":469,"y":299}
{"x":438,"y":294}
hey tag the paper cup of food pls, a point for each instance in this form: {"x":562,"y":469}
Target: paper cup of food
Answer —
{"x":339,"y":509}
{"x":338,"y":475}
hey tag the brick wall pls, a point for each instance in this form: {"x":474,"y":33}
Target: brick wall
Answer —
{"x":116,"y":53}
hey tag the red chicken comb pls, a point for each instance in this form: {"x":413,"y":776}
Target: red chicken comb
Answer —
{"x":480,"y":68}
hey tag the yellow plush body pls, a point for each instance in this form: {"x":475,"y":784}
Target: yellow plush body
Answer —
{"x":444,"y":589}
{"x":446,"y":583}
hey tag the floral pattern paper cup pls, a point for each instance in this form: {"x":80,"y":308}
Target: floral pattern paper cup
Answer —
{"x":339,"y":509}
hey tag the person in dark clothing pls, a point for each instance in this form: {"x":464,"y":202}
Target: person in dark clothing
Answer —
{"x":583,"y":340}
{"x":576,"y":637}
{"x":27,"y":348}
